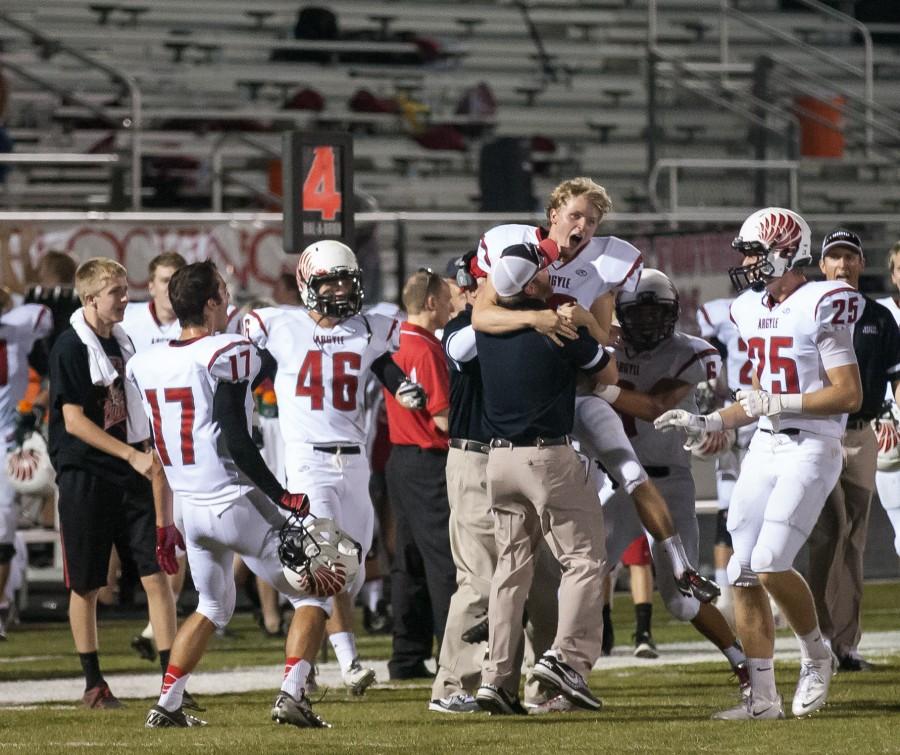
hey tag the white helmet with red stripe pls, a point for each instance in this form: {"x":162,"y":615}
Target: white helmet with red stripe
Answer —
{"x":28,"y":467}
{"x":781,"y":241}
{"x":330,"y":260}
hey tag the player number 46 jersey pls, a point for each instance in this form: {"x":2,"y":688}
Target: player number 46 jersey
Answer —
{"x":320,"y":383}
{"x":177,"y":382}
{"x":783,"y":344}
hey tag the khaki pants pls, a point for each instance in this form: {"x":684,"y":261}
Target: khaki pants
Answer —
{"x":475,"y":555}
{"x":548,"y":493}
{"x":838,"y":541}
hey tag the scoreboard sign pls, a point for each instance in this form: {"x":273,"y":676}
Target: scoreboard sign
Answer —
{"x":318,"y":188}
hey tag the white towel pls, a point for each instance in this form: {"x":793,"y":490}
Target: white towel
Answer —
{"x":104,"y":373}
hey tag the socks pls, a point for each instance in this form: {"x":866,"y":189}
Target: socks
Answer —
{"x":296,"y":671}
{"x":813,"y":646}
{"x":722,"y":582}
{"x":90,"y":664}
{"x":643,"y":613}
{"x":148,"y":633}
{"x":374,"y":592}
{"x":344,"y":644}
{"x":164,"y":660}
{"x":762,"y":678}
{"x":174,"y":682}
{"x":677,"y":556}
{"x":734,"y":654}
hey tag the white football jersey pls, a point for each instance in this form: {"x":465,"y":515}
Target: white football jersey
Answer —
{"x":606,"y":263}
{"x":177,"y":382}
{"x":20,"y":328}
{"x":144,"y":327}
{"x":682,"y":357}
{"x":320,"y":382}
{"x":714,"y":319}
{"x":783,"y":344}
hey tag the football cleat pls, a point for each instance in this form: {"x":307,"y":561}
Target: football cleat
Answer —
{"x":458,"y":703}
{"x":287,"y":710}
{"x":189,"y":702}
{"x":693,"y":584}
{"x":553,"y":704}
{"x":750,"y":709}
{"x":644,"y":646}
{"x":160,"y":718}
{"x":812,"y":687}
{"x":357,"y":679}
{"x":561,"y":677}
{"x":498,"y":702}
{"x":477,"y":633}
{"x":100,"y":698}
{"x":143,"y":646}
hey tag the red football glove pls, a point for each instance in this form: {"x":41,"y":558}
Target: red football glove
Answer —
{"x":297,"y":503}
{"x":167,"y":539}
{"x":323,"y":582}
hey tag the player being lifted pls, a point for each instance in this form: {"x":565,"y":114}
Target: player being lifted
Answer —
{"x":324,"y":354}
{"x":195,"y":393}
{"x":805,"y":380}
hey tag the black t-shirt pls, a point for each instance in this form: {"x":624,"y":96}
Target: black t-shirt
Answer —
{"x":466,"y":397}
{"x":876,"y":341}
{"x":529,"y":381}
{"x":70,"y":383}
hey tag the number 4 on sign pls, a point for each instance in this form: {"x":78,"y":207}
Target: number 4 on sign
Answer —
{"x":319,"y":188}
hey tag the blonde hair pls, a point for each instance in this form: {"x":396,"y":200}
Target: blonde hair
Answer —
{"x":576,"y":187}
{"x":94,"y":274}
{"x":419,"y":286}
{"x":893,"y":253}
{"x":166,"y":259}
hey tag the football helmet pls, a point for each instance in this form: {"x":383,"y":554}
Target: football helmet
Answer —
{"x":781,"y":240}
{"x":648,"y":314}
{"x":316,"y":557}
{"x":28,"y":466}
{"x":887,"y":433}
{"x":330,"y":261}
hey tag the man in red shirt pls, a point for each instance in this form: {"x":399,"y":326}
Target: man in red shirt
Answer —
{"x":423,"y":576}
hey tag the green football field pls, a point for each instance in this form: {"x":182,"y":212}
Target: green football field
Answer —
{"x":657,"y":708}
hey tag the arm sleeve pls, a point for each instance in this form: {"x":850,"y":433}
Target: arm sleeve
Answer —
{"x":268,"y":368}
{"x":388,"y":373}
{"x":432,"y":374}
{"x":460,"y":345}
{"x":229,"y":412}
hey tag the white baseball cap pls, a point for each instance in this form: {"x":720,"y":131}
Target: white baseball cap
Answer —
{"x":517,"y":265}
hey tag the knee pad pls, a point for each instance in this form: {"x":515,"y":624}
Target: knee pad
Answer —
{"x":7,"y":551}
{"x":741,"y":575}
{"x":763,"y":559}
{"x":682,"y":607}
{"x":218,"y":610}
{"x":723,"y":536}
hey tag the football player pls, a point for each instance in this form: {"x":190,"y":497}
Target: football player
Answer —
{"x":20,"y":328}
{"x":805,"y":380}
{"x":659,"y":369}
{"x":324,"y":353}
{"x":195,"y":392}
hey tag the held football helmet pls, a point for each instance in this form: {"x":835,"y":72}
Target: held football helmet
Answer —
{"x":648,"y":314}
{"x":316,"y":557}
{"x":330,"y":261}
{"x":28,"y":466}
{"x":781,"y":240}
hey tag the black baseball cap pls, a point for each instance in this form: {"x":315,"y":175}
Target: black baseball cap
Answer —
{"x":842,"y":237}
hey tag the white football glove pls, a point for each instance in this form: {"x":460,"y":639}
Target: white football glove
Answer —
{"x":764,"y":404}
{"x":693,"y":424}
{"x":411,"y":395}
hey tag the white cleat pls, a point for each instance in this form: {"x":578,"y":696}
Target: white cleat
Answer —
{"x":812,"y":687}
{"x":357,"y":678}
{"x":751,"y":709}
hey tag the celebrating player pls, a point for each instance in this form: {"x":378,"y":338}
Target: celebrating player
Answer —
{"x":805,"y":380}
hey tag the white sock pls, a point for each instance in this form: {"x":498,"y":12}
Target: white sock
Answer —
{"x":172,"y":692}
{"x":296,"y":671}
{"x":813,"y":645}
{"x":677,"y":556}
{"x":735,"y":655}
{"x":374,"y":593}
{"x":762,"y":678}
{"x":148,"y":631}
{"x":344,"y":644}
{"x":722,"y":582}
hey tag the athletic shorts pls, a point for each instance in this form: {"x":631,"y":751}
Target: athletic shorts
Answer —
{"x":638,"y":553}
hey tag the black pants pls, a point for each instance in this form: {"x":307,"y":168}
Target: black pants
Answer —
{"x":423,"y":576}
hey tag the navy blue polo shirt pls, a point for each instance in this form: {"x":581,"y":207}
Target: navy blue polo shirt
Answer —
{"x":466,"y":417}
{"x":529,"y":381}
{"x":876,"y":341}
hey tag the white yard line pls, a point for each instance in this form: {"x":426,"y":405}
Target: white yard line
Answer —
{"x":875,"y":645}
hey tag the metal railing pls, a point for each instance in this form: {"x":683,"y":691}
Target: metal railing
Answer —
{"x":217,"y":165}
{"x":54,"y":158}
{"x":52,"y":46}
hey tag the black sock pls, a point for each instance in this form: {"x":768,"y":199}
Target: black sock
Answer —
{"x":643,"y":613}
{"x":164,"y":659}
{"x":607,"y":616}
{"x":90,"y":664}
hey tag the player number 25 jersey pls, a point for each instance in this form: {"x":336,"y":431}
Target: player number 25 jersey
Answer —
{"x":177,"y":382}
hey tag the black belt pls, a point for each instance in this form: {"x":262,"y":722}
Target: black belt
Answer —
{"x":657,"y":471}
{"x":786,"y":431}
{"x":343,"y":450}
{"x":562,"y":440}
{"x":470,"y":445}
{"x":858,"y":424}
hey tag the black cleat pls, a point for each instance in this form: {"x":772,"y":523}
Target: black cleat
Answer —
{"x":693,"y":584}
{"x":477,"y":633}
{"x":498,"y":702}
{"x":160,"y":718}
{"x":189,"y":702}
{"x":287,"y":710}
{"x":143,"y":647}
{"x":561,"y":677}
